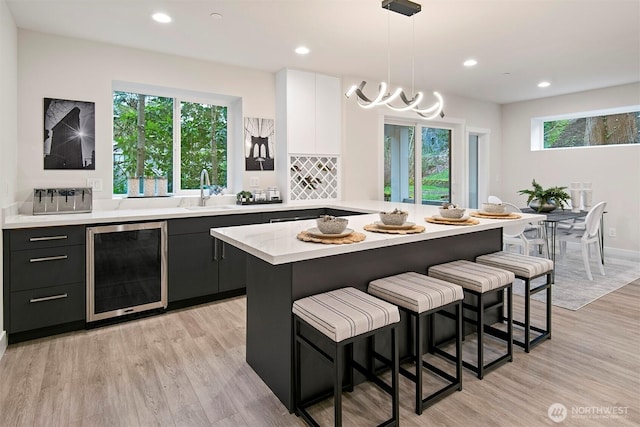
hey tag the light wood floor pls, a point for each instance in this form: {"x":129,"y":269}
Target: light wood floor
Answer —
{"x":187,"y":368}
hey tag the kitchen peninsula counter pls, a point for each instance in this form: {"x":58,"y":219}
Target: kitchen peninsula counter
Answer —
{"x":282,"y":269}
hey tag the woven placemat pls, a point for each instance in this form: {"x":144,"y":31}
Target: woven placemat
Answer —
{"x":511,"y":215}
{"x":470,"y":221}
{"x":351,"y":238}
{"x":413,"y":230}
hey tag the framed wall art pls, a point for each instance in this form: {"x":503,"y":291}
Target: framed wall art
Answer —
{"x":259,"y":144}
{"x":69,"y":134}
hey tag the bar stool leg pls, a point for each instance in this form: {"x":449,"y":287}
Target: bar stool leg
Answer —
{"x":337,"y":387}
{"x":527,"y":315}
{"x":395,"y":381}
{"x":480,"y":334}
{"x":418,"y":359}
{"x":510,"y":323}
{"x":296,"y":363}
{"x":549,"y":278}
{"x":459,"y":345}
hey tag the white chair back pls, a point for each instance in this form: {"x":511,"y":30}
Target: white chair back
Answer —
{"x":494,"y":199}
{"x":593,"y":219}
{"x":513,"y":230}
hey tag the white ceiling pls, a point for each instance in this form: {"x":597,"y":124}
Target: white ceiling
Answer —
{"x":575,"y":44}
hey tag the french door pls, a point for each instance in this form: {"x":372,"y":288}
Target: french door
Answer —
{"x":417,"y":173}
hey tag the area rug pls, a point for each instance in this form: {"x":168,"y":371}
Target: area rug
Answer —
{"x":572,"y":290}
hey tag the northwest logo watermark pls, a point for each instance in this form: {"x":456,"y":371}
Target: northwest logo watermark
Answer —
{"x":557,"y":412}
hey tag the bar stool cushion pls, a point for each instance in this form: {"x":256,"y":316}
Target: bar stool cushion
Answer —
{"x":416,"y":292}
{"x":472,"y":276}
{"x":345,"y":313}
{"x":521,"y":265}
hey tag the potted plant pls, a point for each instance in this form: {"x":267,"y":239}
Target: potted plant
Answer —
{"x":545,"y":200}
{"x":244,"y":197}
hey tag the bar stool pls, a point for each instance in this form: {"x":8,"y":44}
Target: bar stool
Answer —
{"x":343,"y":316}
{"x":421,"y":296}
{"x":526,"y":268}
{"x":480,"y":280}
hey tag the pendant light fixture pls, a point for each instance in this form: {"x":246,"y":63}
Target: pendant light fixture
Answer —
{"x":384,"y":96}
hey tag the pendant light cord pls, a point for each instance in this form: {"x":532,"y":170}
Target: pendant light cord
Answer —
{"x":413,"y":55}
{"x":389,"y":46}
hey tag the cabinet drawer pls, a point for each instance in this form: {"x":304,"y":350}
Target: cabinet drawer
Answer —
{"x":38,"y":308}
{"x":47,"y":267}
{"x":35,"y":238}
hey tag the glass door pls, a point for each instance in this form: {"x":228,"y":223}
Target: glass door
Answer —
{"x":417,"y":173}
{"x":435,"y":165}
{"x":399,"y":163}
{"x":126,"y":269}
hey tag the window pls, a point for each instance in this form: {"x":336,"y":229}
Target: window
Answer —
{"x":433,"y":157}
{"x":609,"y":127}
{"x":162,"y":136}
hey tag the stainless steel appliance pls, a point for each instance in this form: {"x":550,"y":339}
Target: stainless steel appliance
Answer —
{"x":48,"y":201}
{"x":126,"y":269}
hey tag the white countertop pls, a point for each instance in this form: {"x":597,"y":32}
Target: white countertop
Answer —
{"x":277,"y":243}
{"x":149,"y":210}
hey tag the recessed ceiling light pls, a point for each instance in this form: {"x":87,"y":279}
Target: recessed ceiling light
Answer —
{"x":302,"y":50}
{"x":544,"y":84}
{"x":216,"y":16}
{"x":470,"y":63}
{"x":161,"y":17}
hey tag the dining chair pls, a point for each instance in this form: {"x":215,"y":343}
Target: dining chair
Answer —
{"x":587,"y":237}
{"x":574,"y":224}
{"x":494,"y":199}
{"x":514,"y":235}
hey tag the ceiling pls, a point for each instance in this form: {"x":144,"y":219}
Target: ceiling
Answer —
{"x":576,"y":45}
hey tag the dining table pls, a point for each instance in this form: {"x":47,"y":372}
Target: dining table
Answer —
{"x":557,"y":216}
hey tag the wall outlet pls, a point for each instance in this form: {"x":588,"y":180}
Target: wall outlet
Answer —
{"x":95,"y":184}
{"x":254,"y":181}
{"x":612,"y":232}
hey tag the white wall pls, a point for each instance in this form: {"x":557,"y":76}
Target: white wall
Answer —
{"x":9,"y":126}
{"x":67,"y":68}
{"x":614,"y":171}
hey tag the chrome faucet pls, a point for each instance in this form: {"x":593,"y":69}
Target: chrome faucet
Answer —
{"x":204,"y":180}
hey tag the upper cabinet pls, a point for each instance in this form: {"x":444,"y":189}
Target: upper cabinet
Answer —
{"x":309,"y":110}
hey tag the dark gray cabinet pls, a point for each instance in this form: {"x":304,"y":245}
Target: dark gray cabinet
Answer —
{"x":292,"y":215}
{"x":44,"y":277}
{"x":200,"y":265}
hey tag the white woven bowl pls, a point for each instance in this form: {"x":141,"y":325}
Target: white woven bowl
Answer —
{"x":393,"y":218}
{"x":493,"y":207}
{"x":453,"y":213}
{"x":333,"y":225}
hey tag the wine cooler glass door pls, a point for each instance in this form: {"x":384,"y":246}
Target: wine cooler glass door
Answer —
{"x":126,"y":269}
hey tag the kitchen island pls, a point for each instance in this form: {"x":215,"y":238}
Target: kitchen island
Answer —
{"x":282,"y":269}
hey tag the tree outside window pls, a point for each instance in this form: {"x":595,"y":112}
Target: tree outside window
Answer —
{"x":611,"y":129}
{"x":144,"y":142}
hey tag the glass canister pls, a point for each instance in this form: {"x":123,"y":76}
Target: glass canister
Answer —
{"x":259,"y":195}
{"x":273,"y":193}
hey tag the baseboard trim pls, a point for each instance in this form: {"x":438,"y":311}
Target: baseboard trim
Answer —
{"x":622,"y":253}
{"x":3,"y":343}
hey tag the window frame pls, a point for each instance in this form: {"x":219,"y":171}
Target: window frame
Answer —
{"x":537,"y":126}
{"x":182,"y":95}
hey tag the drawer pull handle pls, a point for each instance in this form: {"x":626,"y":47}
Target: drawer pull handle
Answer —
{"x":49,"y":258}
{"x":52,"y":297}
{"x":42,"y":239}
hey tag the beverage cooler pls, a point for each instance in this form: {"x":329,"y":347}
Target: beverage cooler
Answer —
{"x":126,"y":269}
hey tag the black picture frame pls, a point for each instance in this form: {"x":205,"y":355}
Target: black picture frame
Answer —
{"x":69,"y":134}
{"x":259,"y":143}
